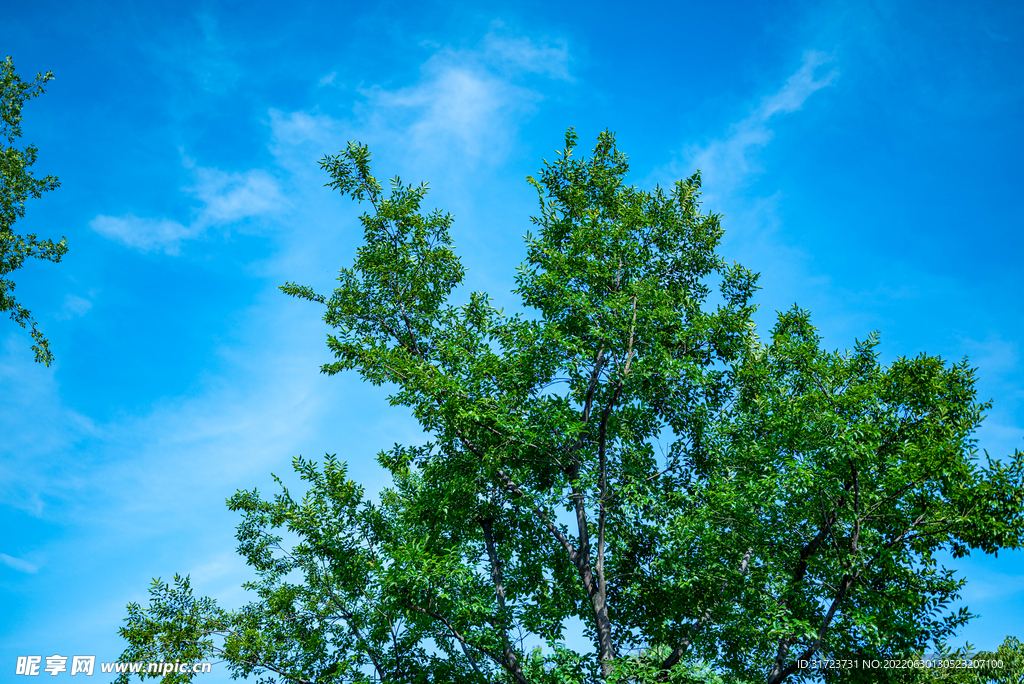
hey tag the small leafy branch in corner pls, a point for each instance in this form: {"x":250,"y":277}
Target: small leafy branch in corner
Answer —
{"x":17,"y":185}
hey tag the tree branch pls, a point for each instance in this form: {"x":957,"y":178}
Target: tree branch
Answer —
{"x":779,"y":670}
{"x":685,"y":643}
{"x":461,"y":639}
{"x":557,"y":533}
{"x":511,"y":661}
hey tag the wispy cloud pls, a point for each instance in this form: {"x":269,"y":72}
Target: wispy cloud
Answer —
{"x":272,"y":404}
{"x":523,"y":54}
{"x":34,"y":458}
{"x":728,"y":162}
{"x":73,"y":307}
{"x":145,"y":234}
{"x":231,"y":197}
{"x":458,"y":107}
{"x":18,"y":564}
{"x":798,"y":87}
{"x":227,"y":198}
{"x":163,"y":470}
{"x":465,"y":106}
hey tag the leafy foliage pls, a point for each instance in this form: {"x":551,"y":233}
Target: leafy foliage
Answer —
{"x":17,"y":185}
{"x":629,"y":457}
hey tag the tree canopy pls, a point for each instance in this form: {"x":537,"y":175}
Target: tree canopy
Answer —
{"x":626,"y":458}
{"x":17,"y":185}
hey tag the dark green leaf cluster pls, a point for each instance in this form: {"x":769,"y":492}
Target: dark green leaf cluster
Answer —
{"x":626,"y":455}
{"x":17,"y":184}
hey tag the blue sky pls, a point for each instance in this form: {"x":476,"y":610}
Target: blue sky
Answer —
{"x":865,"y":157}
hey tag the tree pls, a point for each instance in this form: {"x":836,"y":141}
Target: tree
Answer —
{"x":710,"y":507}
{"x":17,"y":185}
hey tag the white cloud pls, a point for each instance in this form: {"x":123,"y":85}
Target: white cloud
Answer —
{"x":729,"y":163}
{"x":145,"y":234}
{"x":726,"y":163}
{"x":459,"y":107}
{"x":467,"y":101}
{"x":74,"y":306}
{"x":463,"y":111}
{"x":798,"y":87}
{"x":231,"y":197}
{"x":227,"y":198}
{"x":295,"y":129}
{"x":525,"y":55}
{"x":18,"y":564}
